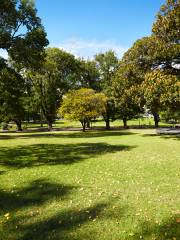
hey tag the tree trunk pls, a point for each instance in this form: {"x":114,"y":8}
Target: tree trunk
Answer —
{"x":83,"y":125}
{"x":156,"y":120}
{"x":41,"y":118}
{"x":88,"y":124}
{"x":107,"y":123}
{"x":18,"y":124}
{"x":49,"y":122}
{"x":125,"y":122}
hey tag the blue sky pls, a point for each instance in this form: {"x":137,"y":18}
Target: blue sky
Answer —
{"x":86,"y":27}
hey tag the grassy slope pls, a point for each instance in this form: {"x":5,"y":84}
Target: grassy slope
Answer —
{"x":94,"y":185}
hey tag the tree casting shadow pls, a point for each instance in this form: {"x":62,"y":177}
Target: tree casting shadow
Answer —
{"x":54,"y":154}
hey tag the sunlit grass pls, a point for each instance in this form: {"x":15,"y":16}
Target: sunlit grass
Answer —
{"x":93,"y":185}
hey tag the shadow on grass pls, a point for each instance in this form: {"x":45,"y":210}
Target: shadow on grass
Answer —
{"x":29,"y":224}
{"x":83,"y":224}
{"x":62,"y":226}
{"x":2,"y":172}
{"x":164,"y":136}
{"x":54,"y":154}
{"x":175,"y":137}
{"x":70,"y":223}
{"x":36,"y":193}
{"x":26,"y":226}
{"x":64,"y":134}
{"x":170,"y":229}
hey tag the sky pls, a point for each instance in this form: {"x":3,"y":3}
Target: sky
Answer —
{"x":87,"y":27}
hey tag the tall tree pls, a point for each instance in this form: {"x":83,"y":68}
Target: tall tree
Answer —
{"x":163,"y":80}
{"x":161,"y":50}
{"x":56,"y":76}
{"x":23,"y":37}
{"x":126,"y":94}
{"x":107,"y":64}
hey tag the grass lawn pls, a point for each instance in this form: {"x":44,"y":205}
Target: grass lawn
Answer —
{"x":111,"y":185}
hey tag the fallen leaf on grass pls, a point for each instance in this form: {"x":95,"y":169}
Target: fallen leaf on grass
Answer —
{"x":6,"y":215}
{"x":178,"y":220}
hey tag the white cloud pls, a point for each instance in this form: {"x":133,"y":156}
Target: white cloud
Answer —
{"x":3,"y":53}
{"x":87,"y":49}
{"x":84,"y":48}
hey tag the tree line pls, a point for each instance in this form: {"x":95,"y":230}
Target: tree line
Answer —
{"x":38,"y":82}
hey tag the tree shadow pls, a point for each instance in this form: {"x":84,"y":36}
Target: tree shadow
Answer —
{"x":64,"y":134}
{"x":61,"y":225}
{"x":164,"y":136}
{"x":6,"y":136}
{"x":28,"y":223}
{"x":36,"y":193}
{"x":170,"y":229}
{"x":2,"y":172}
{"x":54,"y":154}
{"x":175,"y":137}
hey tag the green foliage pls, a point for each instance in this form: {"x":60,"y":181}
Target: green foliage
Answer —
{"x":167,"y":22}
{"x":11,"y":95}
{"x":56,"y":76}
{"x":127,"y":85}
{"x":167,"y":35}
{"x":88,"y":74}
{"x":23,"y":37}
{"x":162,"y":90}
{"x":107,"y":64}
{"x":148,"y":73}
{"x":170,"y":115}
{"x":83,"y":105}
{"x":139,"y":56}
{"x":21,"y":32}
{"x":126,"y":94}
